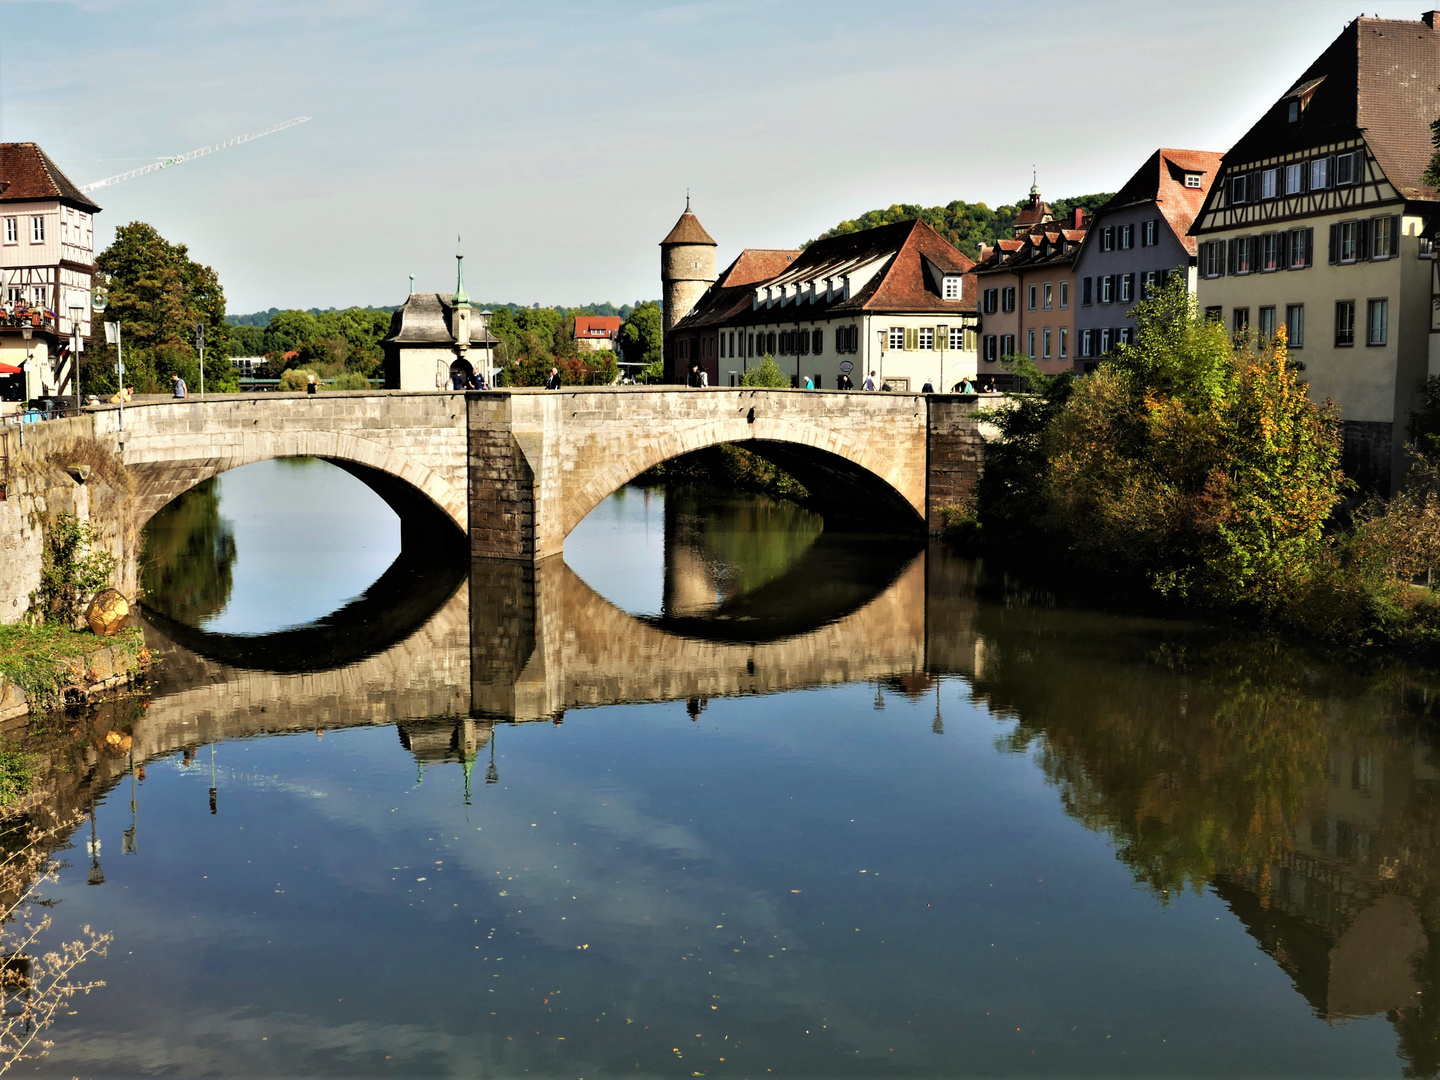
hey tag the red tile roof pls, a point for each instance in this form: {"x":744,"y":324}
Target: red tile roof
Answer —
{"x":26,"y":172}
{"x":597,"y":325}
{"x":688,"y":230}
{"x":757,"y":264}
{"x":1161,"y":180}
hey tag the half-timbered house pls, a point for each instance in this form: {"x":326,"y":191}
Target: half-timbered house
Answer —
{"x":1319,"y":222}
{"x":47,"y":259}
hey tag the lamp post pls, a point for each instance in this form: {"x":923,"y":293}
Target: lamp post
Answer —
{"x":112,"y":337}
{"x":77,"y":344}
{"x":200,"y":344}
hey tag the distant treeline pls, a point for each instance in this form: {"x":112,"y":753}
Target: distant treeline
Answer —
{"x":966,"y":225}
{"x":261,"y":319}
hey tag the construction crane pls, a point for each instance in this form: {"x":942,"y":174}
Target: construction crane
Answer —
{"x":192,"y":155}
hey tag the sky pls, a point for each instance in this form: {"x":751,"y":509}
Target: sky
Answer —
{"x":558,"y":140}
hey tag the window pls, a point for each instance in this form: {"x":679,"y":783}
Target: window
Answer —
{"x":1384,"y":237}
{"x":1270,"y":255}
{"x":1086,"y":340}
{"x":1301,"y":248}
{"x":992,"y":301}
{"x":1045,"y":338}
{"x":1292,"y":110}
{"x":1065,"y":293}
{"x":1215,"y":314}
{"x":12,"y":230}
{"x":1007,"y":344}
{"x":1150,"y":236}
{"x":1104,"y":345}
{"x":897,"y":337}
{"x":1239,"y":188}
{"x":1127,"y":237}
{"x":1295,"y":325}
{"x":1212,"y":259}
{"x":1087,"y":293}
{"x":957,"y":337}
{"x":817,"y":341}
{"x":1294,"y":179}
{"x":1030,"y":297}
{"x":1107,"y":285}
{"x":1267,"y":323}
{"x":770,"y":342}
{"x":1319,"y":174}
{"x":1344,"y":241}
{"x":1192,"y":179}
{"x":1124,"y":335}
{"x":1127,"y":287}
{"x":1240,"y":254}
{"x":37,"y":229}
{"x":1064,"y":342}
{"x":1107,"y":238}
{"x":1049,"y":300}
{"x":1240,"y":321}
{"x":1030,"y":344}
{"x":750,"y":346}
{"x":1344,"y":323}
{"x":1007,"y":299}
{"x":952,"y":288}
{"x":1269,"y":183}
{"x":1377,"y":322}
{"x":927,"y":338}
{"x":988,"y":342}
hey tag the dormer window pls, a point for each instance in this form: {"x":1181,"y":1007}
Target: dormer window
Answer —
{"x":951,"y":288}
{"x":1292,"y":110}
{"x":1192,"y":179}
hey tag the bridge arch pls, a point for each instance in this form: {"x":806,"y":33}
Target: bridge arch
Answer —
{"x":849,"y":481}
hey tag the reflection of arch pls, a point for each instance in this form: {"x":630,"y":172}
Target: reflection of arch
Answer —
{"x":401,"y":600}
{"x":850,"y":482}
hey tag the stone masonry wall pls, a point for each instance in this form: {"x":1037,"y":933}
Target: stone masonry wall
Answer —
{"x":955,"y":454}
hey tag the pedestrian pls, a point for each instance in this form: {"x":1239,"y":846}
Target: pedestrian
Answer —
{"x":928,"y":388}
{"x":553,"y":382}
{"x":480,"y":383}
{"x":459,"y":380}
{"x":844,"y":382}
{"x":694,"y":378}
{"x":312,"y":385}
{"x":179,"y":384}
{"x":869,"y":383}
{"x":809,"y":383}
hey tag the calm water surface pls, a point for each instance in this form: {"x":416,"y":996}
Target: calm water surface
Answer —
{"x":726,"y":795}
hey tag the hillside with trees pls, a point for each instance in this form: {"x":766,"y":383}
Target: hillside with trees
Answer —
{"x":966,"y":225}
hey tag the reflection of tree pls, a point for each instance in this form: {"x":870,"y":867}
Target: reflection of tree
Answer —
{"x":189,"y":557}
{"x":1304,"y":791}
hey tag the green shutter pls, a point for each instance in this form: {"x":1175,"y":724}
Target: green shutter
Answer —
{"x":912,"y":338}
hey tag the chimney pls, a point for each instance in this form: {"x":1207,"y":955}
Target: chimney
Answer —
{"x":1079,"y":218}
{"x":1429,"y":18}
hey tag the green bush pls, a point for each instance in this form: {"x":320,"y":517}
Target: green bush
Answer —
{"x":766,"y":373}
{"x":348,"y":380}
{"x":71,"y":571}
{"x":295,"y":379}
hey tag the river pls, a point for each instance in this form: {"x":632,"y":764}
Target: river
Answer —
{"x":727,"y":794}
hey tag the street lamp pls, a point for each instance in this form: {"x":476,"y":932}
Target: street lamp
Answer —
{"x":77,"y":346}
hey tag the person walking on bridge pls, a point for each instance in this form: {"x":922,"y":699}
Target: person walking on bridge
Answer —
{"x":180,"y":389}
{"x":553,"y":382}
{"x":869,"y":383}
{"x":844,"y":383}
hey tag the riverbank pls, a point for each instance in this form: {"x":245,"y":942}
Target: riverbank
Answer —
{"x":47,"y":666}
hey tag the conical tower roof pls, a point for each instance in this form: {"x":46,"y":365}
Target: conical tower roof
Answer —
{"x":688,"y":230}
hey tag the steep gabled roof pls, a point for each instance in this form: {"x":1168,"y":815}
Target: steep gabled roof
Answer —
{"x":902,"y":283}
{"x":688,"y":230}
{"x":756,"y":264}
{"x":1161,"y":180}
{"x":1379,"y":78}
{"x":26,"y":172}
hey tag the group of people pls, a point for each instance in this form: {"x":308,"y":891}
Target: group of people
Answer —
{"x":475,"y":380}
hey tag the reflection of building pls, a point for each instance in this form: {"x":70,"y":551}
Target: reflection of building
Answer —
{"x":1320,"y":221}
{"x":898,"y":300}
{"x":434,"y":337}
{"x":596,"y":333}
{"x":47,"y":258}
{"x":443,"y":740}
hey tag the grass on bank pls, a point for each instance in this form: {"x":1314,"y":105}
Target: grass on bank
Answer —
{"x":39,"y":659}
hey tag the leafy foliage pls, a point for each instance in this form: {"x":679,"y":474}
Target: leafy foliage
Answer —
{"x":642,"y":335}
{"x":966,"y":225}
{"x":159,"y":295}
{"x":72,"y":570}
{"x":766,"y":373}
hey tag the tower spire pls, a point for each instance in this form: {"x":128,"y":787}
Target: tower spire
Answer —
{"x":460,"y":300}
{"x":687,"y":200}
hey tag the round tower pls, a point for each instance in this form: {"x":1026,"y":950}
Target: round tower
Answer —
{"x":687,"y":266}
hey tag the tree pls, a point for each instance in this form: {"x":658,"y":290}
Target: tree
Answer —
{"x":159,"y":295}
{"x":642,"y":335}
{"x":288,"y":330}
{"x":247,"y":340}
{"x":766,"y":373}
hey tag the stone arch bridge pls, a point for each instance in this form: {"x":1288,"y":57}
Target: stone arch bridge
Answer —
{"x":516,"y":471}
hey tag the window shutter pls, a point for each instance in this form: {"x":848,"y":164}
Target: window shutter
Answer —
{"x":1131,"y":288}
{"x":1230,"y":256}
{"x":912,"y":337}
{"x":1334,"y":244}
{"x":1282,"y":250}
{"x":1254,"y":242}
{"x":1394,"y":235}
{"x":1362,"y":240}
{"x":1310,"y":247}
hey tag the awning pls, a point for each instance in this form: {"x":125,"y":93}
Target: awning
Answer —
{"x":6,"y":369}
